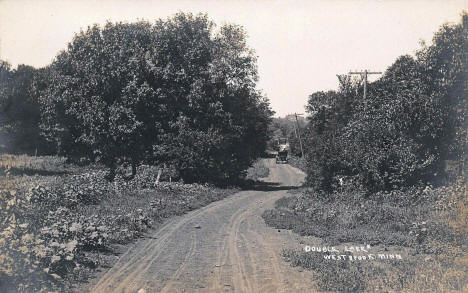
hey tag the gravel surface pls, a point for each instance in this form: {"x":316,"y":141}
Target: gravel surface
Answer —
{"x":223,"y":247}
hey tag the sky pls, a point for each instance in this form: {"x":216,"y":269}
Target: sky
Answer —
{"x":301,"y":45}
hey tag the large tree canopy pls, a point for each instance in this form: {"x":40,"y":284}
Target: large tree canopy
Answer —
{"x":175,"y":92}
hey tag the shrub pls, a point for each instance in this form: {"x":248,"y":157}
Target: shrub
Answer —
{"x":68,"y":191}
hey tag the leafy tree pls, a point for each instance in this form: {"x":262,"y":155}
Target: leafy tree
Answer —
{"x":173,"y":92}
{"x":412,"y":121}
{"x":19,"y":105}
{"x":5,"y":73}
{"x":444,"y":71}
{"x":328,"y":114}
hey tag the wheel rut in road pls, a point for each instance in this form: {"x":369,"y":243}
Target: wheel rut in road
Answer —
{"x":223,"y":247}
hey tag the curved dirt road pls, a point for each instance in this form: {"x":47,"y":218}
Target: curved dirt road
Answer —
{"x":223,"y":247}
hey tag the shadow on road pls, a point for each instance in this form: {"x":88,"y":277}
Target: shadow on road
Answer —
{"x":265,"y":186}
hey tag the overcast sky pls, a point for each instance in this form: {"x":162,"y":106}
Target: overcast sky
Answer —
{"x":301,"y":45}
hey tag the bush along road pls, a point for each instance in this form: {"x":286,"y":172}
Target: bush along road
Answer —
{"x":223,"y":247}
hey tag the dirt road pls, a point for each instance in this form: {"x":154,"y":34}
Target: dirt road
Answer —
{"x":223,"y":247}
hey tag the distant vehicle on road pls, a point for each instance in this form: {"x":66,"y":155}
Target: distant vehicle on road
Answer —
{"x":283,"y":151}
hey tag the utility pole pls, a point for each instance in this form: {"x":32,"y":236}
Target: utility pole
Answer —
{"x":298,"y":132}
{"x":364,"y":75}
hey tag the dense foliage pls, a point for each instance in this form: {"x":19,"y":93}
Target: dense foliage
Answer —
{"x":174,"y":92}
{"x":19,"y":108}
{"x":179,"y":92}
{"x":411,"y":123}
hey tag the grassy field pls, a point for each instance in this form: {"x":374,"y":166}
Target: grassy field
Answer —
{"x":59,"y":222}
{"x":425,"y":226}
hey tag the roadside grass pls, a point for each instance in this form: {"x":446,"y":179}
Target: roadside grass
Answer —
{"x":58,"y":225}
{"x":257,"y":171}
{"x":426,"y":226}
{"x":28,"y":165}
{"x":352,"y":276}
{"x":298,"y":162}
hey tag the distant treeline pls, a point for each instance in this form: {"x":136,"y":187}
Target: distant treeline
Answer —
{"x":20,"y":112}
{"x":411,"y":124}
{"x":286,"y":127}
{"x":177,"y":92}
